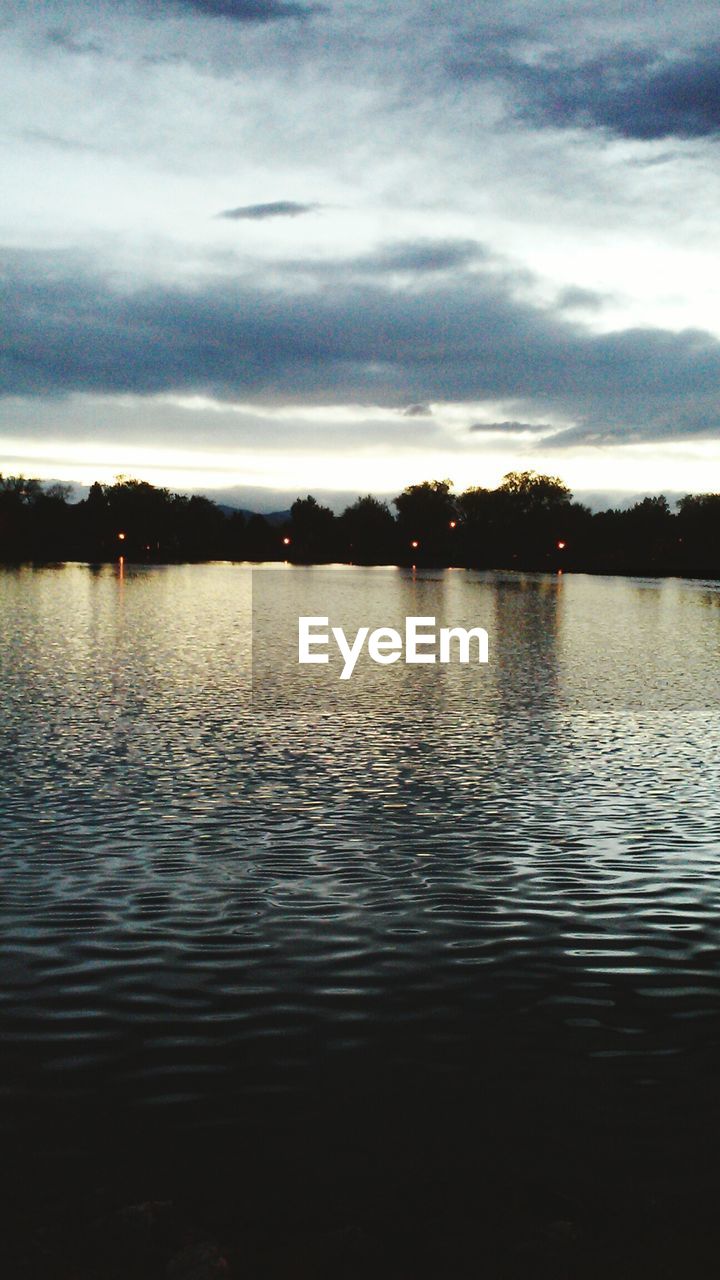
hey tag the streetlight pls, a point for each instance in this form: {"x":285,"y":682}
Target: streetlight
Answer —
{"x":286,"y":542}
{"x":561,"y":546}
{"x":414,"y":544}
{"x":453,"y":524}
{"x":121,"y":537}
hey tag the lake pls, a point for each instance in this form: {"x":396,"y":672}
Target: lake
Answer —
{"x":429,"y":958}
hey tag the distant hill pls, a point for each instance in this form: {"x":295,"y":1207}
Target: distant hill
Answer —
{"x":272,"y":517}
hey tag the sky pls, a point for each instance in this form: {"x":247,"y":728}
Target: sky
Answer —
{"x":260,"y":248}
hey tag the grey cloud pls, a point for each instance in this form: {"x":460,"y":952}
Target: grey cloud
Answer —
{"x":276,"y":209}
{"x":68,"y":43}
{"x":405,"y":258}
{"x":440,"y":338}
{"x":418,"y":411}
{"x":639,"y":93}
{"x":95,"y":418}
{"x":512,"y":428}
{"x":246,"y":10}
{"x":577,"y":299}
{"x":422,"y":255}
{"x":635,"y":96}
{"x":620,"y":499}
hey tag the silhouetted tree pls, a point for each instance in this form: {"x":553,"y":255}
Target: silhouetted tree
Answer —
{"x":35,"y":522}
{"x":531,"y":492}
{"x":529,"y":521}
{"x":311,"y":530}
{"x":368,"y":531}
{"x":698,"y":532}
{"x":479,"y":512}
{"x":17,"y":491}
{"x":262,"y":541}
{"x":235,"y":540}
{"x":427,"y":515}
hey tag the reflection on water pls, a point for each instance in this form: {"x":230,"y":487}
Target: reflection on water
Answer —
{"x":475,"y":911}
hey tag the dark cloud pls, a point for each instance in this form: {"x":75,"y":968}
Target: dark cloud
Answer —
{"x":512,"y":428}
{"x":577,"y":299}
{"x":405,"y":258}
{"x":631,"y":92}
{"x":276,"y":209}
{"x":246,"y":10}
{"x":634,"y":96}
{"x":421,"y":256}
{"x":418,"y":411}
{"x":372,"y":342}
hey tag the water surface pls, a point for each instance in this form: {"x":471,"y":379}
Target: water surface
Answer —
{"x":430,"y":929}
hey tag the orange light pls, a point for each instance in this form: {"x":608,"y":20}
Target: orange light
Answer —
{"x":121,"y":536}
{"x":414,"y":545}
{"x":453,"y":524}
{"x":286,"y":542}
{"x":561,"y":546}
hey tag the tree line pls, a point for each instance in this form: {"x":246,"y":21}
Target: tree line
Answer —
{"x":528,"y":521}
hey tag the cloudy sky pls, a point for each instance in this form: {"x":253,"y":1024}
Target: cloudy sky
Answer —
{"x":350,"y":245}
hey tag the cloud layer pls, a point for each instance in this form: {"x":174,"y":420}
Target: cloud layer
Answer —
{"x":464,"y":336}
{"x":516,"y":248}
{"x":245,"y":10}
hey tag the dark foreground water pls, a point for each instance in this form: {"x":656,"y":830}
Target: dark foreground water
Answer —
{"x":419,"y":976}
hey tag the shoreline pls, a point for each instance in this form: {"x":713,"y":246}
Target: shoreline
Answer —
{"x":655,"y":574}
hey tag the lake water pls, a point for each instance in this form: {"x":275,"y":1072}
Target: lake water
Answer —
{"x":435,"y":951}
